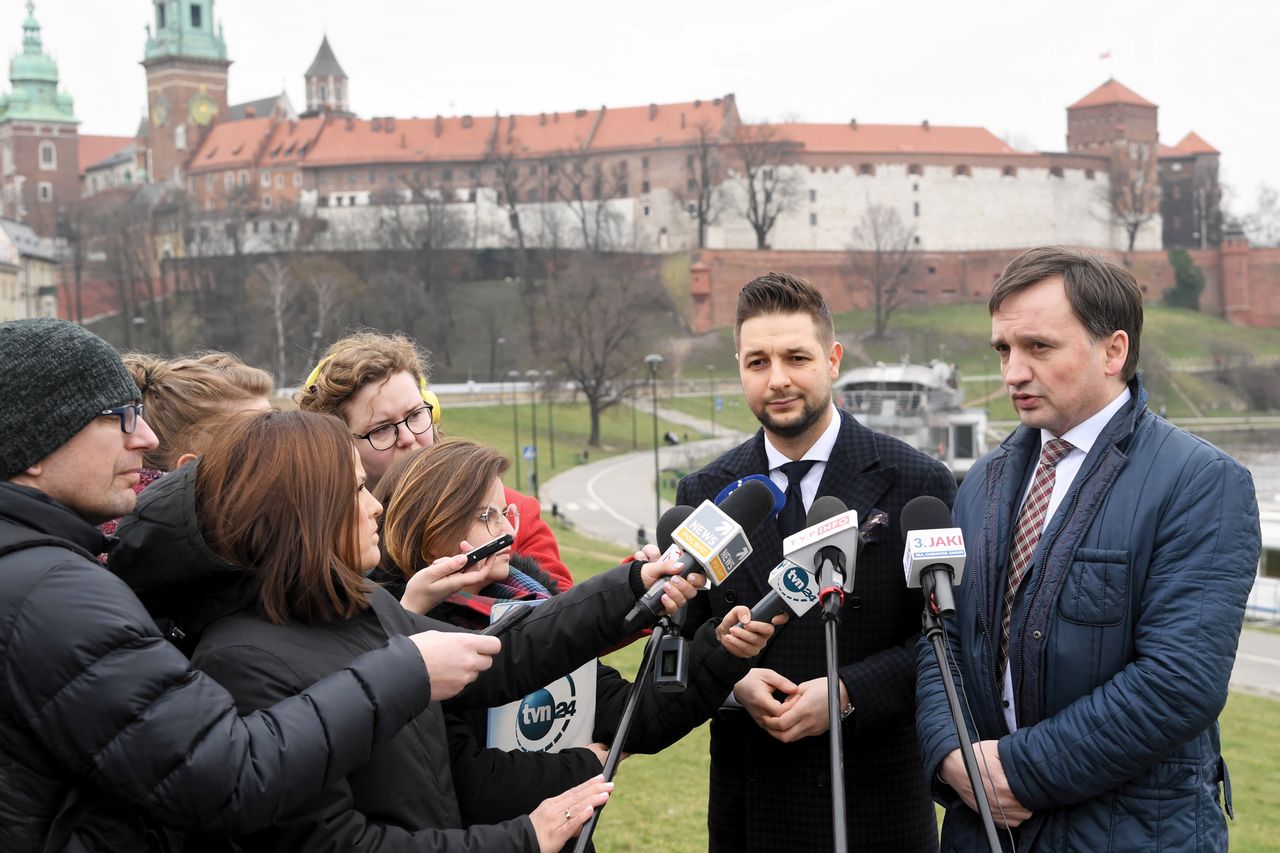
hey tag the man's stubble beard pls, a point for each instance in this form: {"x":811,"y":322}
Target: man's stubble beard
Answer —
{"x":809,"y":416}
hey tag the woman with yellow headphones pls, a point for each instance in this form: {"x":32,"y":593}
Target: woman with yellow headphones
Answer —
{"x":377,"y":383}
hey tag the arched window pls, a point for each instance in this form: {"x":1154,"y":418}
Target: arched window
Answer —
{"x":866,"y":169}
{"x":963,"y":171}
{"x":48,"y":156}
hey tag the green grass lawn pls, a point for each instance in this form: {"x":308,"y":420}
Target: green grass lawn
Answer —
{"x":660,"y":800}
{"x":492,"y":425}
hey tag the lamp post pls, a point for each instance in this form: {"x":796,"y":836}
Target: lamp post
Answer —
{"x":711,"y":383}
{"x":533,"y":377}
{"x":653,"y":360}
{"x":635,"y":437}
{"x":514,"y":376}
{"x":550,"y":378}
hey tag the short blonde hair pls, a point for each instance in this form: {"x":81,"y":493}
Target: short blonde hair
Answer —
{"x":182,"y":396}
{"x":352,"y":363}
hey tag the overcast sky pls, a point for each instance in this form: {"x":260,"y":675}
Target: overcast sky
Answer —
{"x":1009,"y":65}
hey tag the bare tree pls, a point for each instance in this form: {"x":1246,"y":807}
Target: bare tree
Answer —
{"x":703,"y":193}
{"x":1134,"y":191}
{"x":515,"y":179}
{"x":760,"y":154}
{"x":881,"y":252}
{"x":603,"y":315}
{"x":586,"y":185}
{"x":420,"y":225}
{"x":277,"y":284}
{"x":1262,"y":224}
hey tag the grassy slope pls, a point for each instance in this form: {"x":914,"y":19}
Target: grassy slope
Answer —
{"x":660,"y":801}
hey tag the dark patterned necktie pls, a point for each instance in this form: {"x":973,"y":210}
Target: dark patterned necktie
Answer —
{"x":791,"y":519}
{"x":1027,"y":533}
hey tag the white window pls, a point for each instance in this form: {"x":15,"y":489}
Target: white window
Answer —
{"x":180,"y":137}
{"x":208,"y":182}
{"x":297,"y":179}
{"x":280,"y":180}
{"x":48,"y":156}
{"x":266,"y":180}
{"x":44,"y":191}
{"x":266,"y":202}
{"x":244,"y":178}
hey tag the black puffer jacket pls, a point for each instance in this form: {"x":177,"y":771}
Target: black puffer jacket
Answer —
{"x":103,"y":718}
{"x":406,"y":796}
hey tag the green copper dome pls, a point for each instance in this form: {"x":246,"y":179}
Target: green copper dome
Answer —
{"x":185,"y":30}
{"x":34,"y":77}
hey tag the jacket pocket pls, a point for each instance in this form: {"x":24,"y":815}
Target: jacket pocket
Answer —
{"x":1096,"y":588}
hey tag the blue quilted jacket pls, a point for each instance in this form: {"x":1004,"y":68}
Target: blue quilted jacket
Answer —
{"x":1121,"y":641}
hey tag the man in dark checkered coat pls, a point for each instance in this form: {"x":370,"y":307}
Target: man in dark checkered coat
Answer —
{"x":770,"y":784}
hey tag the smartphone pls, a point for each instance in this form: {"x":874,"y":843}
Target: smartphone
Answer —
{"x":507,"y":620}
{"x":488,"y":549}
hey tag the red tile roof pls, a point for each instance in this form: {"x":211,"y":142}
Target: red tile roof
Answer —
{"x":399,"y":140}
{"x":95,"y":149}
{"x":1163,"y":150}
{"x":545,"y":133}
{"x":1193,"y":143}
{"x":657,"y":125}
{"x":1111,"y":92}
{"x":893,"y":139}
{"x":290,"y":142}
{"x":231,"y":145}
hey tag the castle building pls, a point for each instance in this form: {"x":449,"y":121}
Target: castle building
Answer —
{"x":39,"y":168}
{"x":326,"y":84}
{"x":186,"y":63}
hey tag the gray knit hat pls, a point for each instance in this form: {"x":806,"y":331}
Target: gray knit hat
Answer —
{"x":55,"y":377}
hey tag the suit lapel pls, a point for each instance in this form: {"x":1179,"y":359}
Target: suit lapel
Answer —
{"x":853,"y":472}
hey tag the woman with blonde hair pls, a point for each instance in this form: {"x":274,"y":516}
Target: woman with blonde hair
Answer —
{"x":183,"y":398}
{"x":377,"y":383}
{"x":256,"y":552}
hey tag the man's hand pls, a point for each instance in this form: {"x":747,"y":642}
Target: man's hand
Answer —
{"x":1005,"y":808}
{"x":755,"y":693}
{"x":454,"y":660}
{"x":743,"y":638}
{"x":804,"y":713}
{"x":677,"y":590}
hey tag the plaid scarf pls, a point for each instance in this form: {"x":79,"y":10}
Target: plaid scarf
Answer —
{"x":517,"y":587}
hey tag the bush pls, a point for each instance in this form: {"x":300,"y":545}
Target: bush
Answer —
{"x":1188,"y":282}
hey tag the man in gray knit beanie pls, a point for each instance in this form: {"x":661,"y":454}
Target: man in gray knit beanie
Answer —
{"x":70,"y":427}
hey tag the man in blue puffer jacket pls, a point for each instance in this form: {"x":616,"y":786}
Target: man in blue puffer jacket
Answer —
{"x":1110,"y":556}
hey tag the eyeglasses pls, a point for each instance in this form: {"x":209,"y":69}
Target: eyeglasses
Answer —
{"x":129,"y":415}
{"x":385,"y":437}
{"x":492,"y":518}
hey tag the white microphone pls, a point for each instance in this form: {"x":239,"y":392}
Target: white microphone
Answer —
{"x":829,"y":525}
{"x":714,"y":542}
{"x":934,"y":556}
{"x":792,"y":588}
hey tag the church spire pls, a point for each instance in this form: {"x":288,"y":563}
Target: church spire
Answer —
{"x":34,"y":78}
{"x":326,"y":83}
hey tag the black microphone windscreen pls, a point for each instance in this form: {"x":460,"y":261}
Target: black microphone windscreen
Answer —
{"x":749,"y":505}
{"x":671,"y":519}
{"x":827,"y":506}
{"x":925,"y":512}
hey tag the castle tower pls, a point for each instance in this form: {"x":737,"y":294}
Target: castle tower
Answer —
{"x":186,"y":63}
{"x":326,"y":84}
{"x":39,"y":146}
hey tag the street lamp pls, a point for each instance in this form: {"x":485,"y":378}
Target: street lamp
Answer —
{"x":550,"y":376}
{"x":653,"y":360}
{"x":514,"y":376}
{"x":711,"y":383}
{"x":533,"y":376}
{"x":635,"y":438}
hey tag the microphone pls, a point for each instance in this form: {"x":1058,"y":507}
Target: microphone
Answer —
{"x":791,"y":588}
{"x":828,"y":525}
{"x":713,"y":541}
{"x":934,"y":555}
{"x":779,"y":496}
{"x":671,"y":519}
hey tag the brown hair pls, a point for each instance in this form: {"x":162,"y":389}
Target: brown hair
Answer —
{"x":182,"y":395}
{"x":1104,"y":296}
{"x":355,"y":361}
{"x":277,"y":494}
{"x":780,"y":293}
{"x":430,"y":497}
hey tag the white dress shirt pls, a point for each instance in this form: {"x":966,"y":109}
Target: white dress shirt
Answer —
{"x":820,"y":452}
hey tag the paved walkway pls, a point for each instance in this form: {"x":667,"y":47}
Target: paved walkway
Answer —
{"x":1257,"y":668}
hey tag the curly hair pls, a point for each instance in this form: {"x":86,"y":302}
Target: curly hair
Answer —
{"x":355,"y":361}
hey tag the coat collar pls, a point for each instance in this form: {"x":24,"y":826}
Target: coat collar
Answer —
{"x":34,"y":509}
